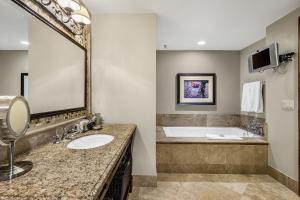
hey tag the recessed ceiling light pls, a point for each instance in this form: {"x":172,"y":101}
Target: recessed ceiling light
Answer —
{"x":24,"y":42}
{"x":201,"y":43}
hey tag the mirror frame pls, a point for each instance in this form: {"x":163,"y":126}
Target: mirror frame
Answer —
{"x":50,"y":25}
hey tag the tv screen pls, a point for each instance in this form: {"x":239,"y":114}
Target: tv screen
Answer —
{"x":261,"y":59}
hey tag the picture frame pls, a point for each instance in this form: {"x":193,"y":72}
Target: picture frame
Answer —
{"x":196,"y":88}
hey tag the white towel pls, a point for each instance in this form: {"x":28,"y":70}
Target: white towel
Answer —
{"x":252,"y":99}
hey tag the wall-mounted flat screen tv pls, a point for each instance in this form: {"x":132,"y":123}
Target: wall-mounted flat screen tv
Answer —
{"x":264,"y":59}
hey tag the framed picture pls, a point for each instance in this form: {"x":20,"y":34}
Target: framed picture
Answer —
{"x":196,"y":89}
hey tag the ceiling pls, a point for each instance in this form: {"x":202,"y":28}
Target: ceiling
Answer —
{"x":14,"y":26}
{"x":223,"y":24}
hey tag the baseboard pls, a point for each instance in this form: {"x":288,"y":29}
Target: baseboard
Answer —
{"x":144,"y":181}
{"x":283,"y":179}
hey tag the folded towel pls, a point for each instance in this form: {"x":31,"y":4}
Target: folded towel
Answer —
{"x":252,"y":99}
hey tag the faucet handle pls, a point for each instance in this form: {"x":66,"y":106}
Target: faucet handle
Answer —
{"x":56,"y":139}
{"x":77,"y":127}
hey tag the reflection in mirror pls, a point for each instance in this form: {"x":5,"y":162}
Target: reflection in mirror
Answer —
{"x":24,"y":85}
{"x":39,"y":63}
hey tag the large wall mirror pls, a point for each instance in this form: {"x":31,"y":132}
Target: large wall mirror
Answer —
{"x":40,"y":63}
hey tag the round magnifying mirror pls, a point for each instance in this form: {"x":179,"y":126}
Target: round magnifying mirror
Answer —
{"x":16,"y":116}
{"x":14,"y":122}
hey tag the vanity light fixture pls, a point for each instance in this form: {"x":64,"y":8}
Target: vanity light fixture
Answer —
{"x":69,"y":5}
{"x":72,"y":13}
{"x":202,"y":42}
{"x":81,"y":16}
{"x":24,"y":42}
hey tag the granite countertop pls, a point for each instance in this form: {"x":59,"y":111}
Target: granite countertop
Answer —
{"x":62,"y":173}
{"x":162,"y":139}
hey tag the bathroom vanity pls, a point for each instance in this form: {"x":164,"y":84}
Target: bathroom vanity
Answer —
{"x":53,"y":75}
{"x":61,"y":173}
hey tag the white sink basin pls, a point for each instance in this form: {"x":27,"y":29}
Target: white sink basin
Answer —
{"x":91,"y":141}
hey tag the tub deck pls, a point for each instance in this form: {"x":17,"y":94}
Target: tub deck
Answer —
{"x":201,"y":155}
{"x":162,"y":139}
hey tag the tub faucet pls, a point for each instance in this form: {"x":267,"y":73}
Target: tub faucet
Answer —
{"x":255,"y":127}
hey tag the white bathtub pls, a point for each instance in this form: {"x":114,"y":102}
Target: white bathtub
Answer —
{"x":212,"y":133}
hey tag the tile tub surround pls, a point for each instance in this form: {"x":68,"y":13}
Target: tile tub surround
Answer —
{"x":212,"y":158}
{"x":201,"y":155}
{"x":180,"y":120}
{"x":214,"y":187}
{"x":61,"y":173}
{"x":225,"y":120}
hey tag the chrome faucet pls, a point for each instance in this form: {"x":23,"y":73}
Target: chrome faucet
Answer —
{"x":255,"y":127}
{"x":67,"y":133}
{"x":64,"y":133}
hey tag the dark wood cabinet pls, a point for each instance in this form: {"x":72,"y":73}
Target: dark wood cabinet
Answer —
{"x":119,"y":185}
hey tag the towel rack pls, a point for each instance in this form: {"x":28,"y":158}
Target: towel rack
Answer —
{"x":263,"y":82}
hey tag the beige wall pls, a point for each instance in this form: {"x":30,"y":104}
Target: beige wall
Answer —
{"x":12,"y":64}
{"x":224,"y":63}
{"x":283,"y":125}
{"x":123,"y":79}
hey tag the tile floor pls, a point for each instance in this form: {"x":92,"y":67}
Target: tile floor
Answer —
{"x":214,"y":187}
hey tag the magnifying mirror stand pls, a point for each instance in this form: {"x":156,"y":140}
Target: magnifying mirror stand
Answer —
{"x":13,"y":170}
